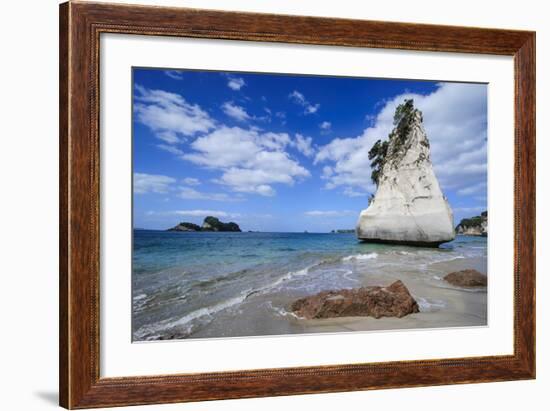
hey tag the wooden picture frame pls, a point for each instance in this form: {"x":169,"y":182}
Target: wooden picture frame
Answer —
{"x":80,"y":27}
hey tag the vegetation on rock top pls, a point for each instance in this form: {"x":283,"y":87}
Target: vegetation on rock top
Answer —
{"x":476,"y":225}
{"x":382,"y":151}
{"x":214,"y":224}
{"x":209,"y":224}
{"x":471,"y":222}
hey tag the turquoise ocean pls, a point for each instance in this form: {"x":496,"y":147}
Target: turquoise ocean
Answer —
{"x":199,"y":284}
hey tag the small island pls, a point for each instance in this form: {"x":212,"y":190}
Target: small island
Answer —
{"x":476,"y":226}
{"x":209,"y":224}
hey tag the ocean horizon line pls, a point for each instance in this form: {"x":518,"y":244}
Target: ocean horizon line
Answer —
{"x":251,"y":231}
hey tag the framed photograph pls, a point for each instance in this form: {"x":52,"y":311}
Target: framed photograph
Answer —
{"x":259,"y":205}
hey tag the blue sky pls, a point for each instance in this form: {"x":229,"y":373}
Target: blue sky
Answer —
{"x":287,"y":152}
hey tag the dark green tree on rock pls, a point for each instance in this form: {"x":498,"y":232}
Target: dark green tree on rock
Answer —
{"x":403,"y":119}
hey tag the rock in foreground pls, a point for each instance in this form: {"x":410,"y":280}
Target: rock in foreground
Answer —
{"x":392,"y":301}
{"x":467,"y":278}
{"x":408,"y":207}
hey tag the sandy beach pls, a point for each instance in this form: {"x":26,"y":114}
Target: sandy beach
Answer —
{"x":442,"y":305}
{"x":460,"y":307}
{"x":195,"y":296}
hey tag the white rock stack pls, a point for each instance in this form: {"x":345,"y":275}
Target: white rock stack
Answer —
{"x":408,"y":207}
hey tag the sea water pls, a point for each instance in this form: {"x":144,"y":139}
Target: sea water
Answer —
{"x":207,"y":284}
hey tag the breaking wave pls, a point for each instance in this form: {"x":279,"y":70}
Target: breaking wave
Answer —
{"x":360,"y":257}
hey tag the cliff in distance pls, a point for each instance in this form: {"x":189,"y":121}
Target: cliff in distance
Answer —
{"x":476,"y":226}
{"x":408,"y":207}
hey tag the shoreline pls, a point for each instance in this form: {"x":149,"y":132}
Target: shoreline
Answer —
{"x":463,"y":307}
{"x":251,"y":293}
{"x":442,"y":306}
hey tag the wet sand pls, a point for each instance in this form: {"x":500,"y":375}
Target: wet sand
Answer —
{"x":450,"y":306}
{"x":442,"y":305}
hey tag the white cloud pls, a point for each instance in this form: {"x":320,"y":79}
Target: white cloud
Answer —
{"x":281,"y":115}
{"x":235,"y":83}
{"x":234,"y":111}
{"x":312,"y":109}
{"x":330,"y":213}
{"x":197,"y":213}
{"x":300,"y":99}
{"x":303,"y":145}
{"x":327,"y":172}
{"x":250,"y":180}
{"x":152,"y":183}
{"x":326,"y":127}
{"x":274,"y":141}
{"x":476,"y":188}
{"x":297,"y":97}
{"x":171,"y":149}
{"x":188,"y":193}
{"x":175,"y":74}
{"x":267,"y":117}
{"x":370,"y":119}
{"x":239,"y":113}
{"x":245,"y":181}
{"x":190,"y":181}
{"x":476,"y":210}
{"x":350,"y":164}
{"x":350,"y":192}
{"x":249,"y":160}
{"x":169,"y":115}
{"x":167,"y":136}
{"x":265,"y":190}
{"x":224,"y":147}
{"x":455,"y":121}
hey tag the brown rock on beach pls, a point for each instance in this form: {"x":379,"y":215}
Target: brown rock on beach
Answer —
{"x":467,"y":278}
{"x":392,"y":301}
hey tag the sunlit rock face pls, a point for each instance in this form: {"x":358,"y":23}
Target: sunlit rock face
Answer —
{"x":408,"y":207}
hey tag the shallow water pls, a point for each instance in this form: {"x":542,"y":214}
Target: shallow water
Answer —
{"x":196,"y":285}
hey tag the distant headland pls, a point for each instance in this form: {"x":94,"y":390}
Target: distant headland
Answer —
{"x":476,"y":226}
{"x":209,"y":224}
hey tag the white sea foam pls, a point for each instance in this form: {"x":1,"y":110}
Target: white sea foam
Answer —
{"x":208,"y":311}
{"x":360,"y":257}
{"x":285,"y":278}
{"x":281,"y":311}
{"x":402,"y":252}
{"x":427,"y":305}
{"x":186,"y":322}
{"x":347,"y":275}
{"x":435,"y":259}
{"x":139,"y":302}
{"x":449,"y":286}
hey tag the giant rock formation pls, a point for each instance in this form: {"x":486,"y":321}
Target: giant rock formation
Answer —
{"x":409,"y":206}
